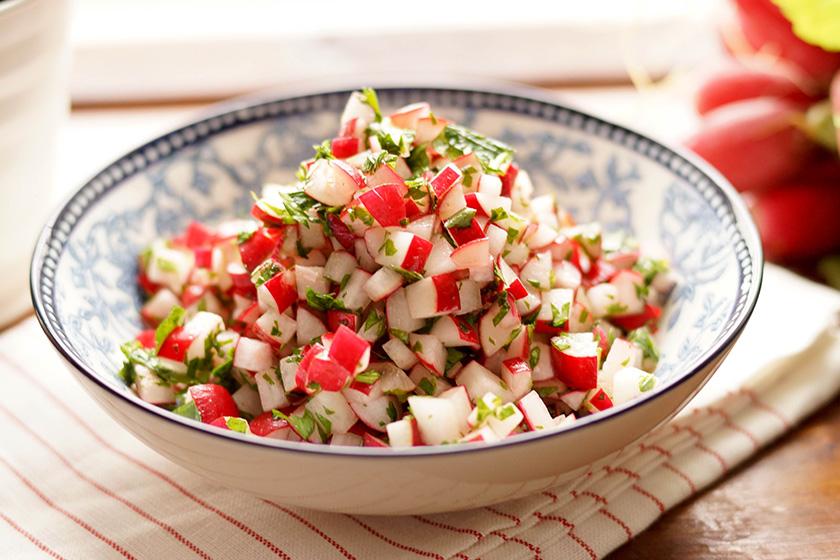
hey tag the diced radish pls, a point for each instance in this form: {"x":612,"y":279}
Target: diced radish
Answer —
{"x":433,"y":296}
{"x":534,"y":411}
{"x":428,"y":128}
{"x":158,"y":307}
{"x":383,"y":283}
{"x":259,"y":246}
{"x":309,"y":326}
{"x":498,"y":324}
{"x":473,"y":254}
{"x":555,"y":309}
{"x":427,"y":382}
{"x":469,"y":292}
{"x":537,"y":272}
{"x":376,"y":413}
{"x":333,"y":182}
{"x":440,"y":257}
{"x":311,"y":277}
{"x":271,"y":391}
{"x":478,"y":380}
{"x":445,"y":180}
{"x":461,"y":399}
{"x":350,"y":350}
{"x":516,"y":373}
{"x":574,"y":399}
{"x":332,"y":412}
{"x":452,"y":203}
{"x":574,"y":358}
{"x":247,"y":400}
{"x":152,"y":388}
{"x":631,"y":291}
{"x":275,"y":328}
{"x":279,"y":292}
{"x":398,"y":313}
{"x":374,"y":326}
{"x":340,"y":265}
{"x":253,"y":355}
{"x":512,"y":282}
{"x":540,"y":361}
{"x":404,"y":250}
{"x":400,"y":353}
{"x":597,"y":400}
{"x":353,"y":295}
{"x":437,"y":419}
{"x":404,"y":433}
{"x":454,"y":331}
{"x":429,"y":351}
{"x":270,"y":425}
{"x":630,"y":382}
{"x":212,"y":401}
{"x":169,"y":266}
{"x":385,"y":204}
{"x":408,"y":116}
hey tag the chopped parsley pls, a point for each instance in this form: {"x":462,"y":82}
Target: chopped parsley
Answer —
{"x":323,"y":302}
{"x":455,"y":141}
{"x":462,"y":219}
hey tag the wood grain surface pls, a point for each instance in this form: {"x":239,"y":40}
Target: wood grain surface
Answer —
{"x":782,"y":504}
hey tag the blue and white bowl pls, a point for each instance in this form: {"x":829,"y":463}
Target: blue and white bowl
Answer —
{"x":86,"y":296}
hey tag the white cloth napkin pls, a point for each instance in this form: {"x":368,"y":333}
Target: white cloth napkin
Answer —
{"x":73,"y":484}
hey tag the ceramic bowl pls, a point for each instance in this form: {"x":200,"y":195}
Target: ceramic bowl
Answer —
{"x":87,"y":299}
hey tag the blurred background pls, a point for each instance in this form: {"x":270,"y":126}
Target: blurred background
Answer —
{"x":141,"y":67}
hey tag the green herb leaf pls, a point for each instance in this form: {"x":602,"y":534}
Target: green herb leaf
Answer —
{"x":394,"y":140}
{"x":455,"y":141}
{"x":816,"y":22}
{"x":188,"y":410}
{"x":323,"y":302}
{"x":323,"y":150}
{"x":237,"y":424}
{"x":428,"y":385}
{"x":409,"y":275}
{"x":369,"y":377}
{"x":376,"y":160}
{"x":369,"y":97}
{"x":303,"y":425}
{"x":172,"y":322}
{"x":402,"y":335}
{"x":389,"y":247}
{"x":462,"y":219}
{"x":646,"y":382}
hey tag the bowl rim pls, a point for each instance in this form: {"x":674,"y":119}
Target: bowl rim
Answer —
{"x":256,"y":107}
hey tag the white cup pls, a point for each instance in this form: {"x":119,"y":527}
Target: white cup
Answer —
{"x":34,"y":103}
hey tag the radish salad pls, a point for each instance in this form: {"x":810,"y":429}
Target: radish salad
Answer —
{"x":408,"y":289}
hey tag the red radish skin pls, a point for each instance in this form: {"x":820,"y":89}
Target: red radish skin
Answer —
{"x":385,"y":204}
{"x":213,"y":401}
{"x":448,"y":298}
{"x":259,"y":247}
{"x":736,"y":83}
{"x":834,"y":96}
{"x":767,"y":31}
{"x":798,"y":221}
{"x":175,"y":346}
{"x":267,"y":424}
{"x":754,"y":143}
{"x":345,"y":146}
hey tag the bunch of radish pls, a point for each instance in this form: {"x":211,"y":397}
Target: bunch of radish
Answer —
{"x":409,"y":289}
{"x":767,"y":124}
